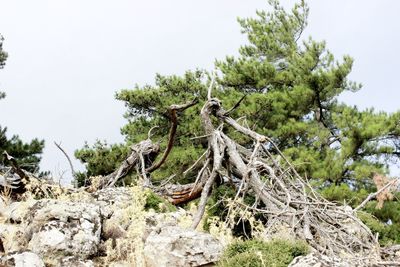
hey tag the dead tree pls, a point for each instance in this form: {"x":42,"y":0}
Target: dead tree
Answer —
{"x":283,"y":196}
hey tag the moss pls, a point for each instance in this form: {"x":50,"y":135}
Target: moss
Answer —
{"x":256,"y":253}
{"x":157,"y":203}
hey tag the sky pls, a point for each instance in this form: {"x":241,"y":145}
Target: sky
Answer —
{"x":67,"y":58}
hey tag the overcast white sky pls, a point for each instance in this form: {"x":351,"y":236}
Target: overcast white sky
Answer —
{"x":67,"y":58}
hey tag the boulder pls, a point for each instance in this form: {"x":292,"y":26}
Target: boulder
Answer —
{"x":63,"y":228}
{"x":171,"y":245}
{"x":24,"y":259}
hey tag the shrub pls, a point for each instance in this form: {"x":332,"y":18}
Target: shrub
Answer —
{"x":256,"y":253}
{"x":388,"y":234}
{"x":157,"y":203}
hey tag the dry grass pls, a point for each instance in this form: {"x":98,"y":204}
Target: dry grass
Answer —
{"x":129,"y":248}
{"x":238,"y":211}
{"x":220,"y":230}
{"x":6,"y":196}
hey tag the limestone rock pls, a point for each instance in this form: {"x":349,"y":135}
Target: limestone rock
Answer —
{"x":63,"y":228}
{"x":309,"y":260}
{"x":111,"y":199}
{"x":154,"y":220}
{"x":176,"y":246}
{"x":16,"y":211}
{"x":24,"y":259}
{"x":75,"y":262}
{"x":312,"y":260}
{"x":12,"y":237}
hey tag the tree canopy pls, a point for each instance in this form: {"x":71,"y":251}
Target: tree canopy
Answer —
{"x":290,"y":84}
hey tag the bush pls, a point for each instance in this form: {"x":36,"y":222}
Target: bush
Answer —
{"x":388,"y":234}
{"x":256,"y":253}
{"x":374,"y":218}
{"x":157,"y":203}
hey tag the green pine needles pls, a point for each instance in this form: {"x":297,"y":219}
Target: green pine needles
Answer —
{"x":292,"y":84}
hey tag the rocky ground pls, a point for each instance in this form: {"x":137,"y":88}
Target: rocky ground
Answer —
{"x":106,"y":228}
{"x":110,"y":227}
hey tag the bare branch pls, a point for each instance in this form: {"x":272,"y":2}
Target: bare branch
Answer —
{"x":149,"y":134}
{"x":235,"y":106}
{"x":373,"y":195}
{"x":70,"y":164}
{"x":211,"y":86}
{"x":174,"y":125}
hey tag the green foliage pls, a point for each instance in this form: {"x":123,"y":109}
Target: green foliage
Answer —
{"x":3,"y":54}
{"x":28,"y":155}
{"x":388,"y":234}
{"x":293,"y":88}
{"x":255,"y":253}
{"x":147,"y":107}
{"x":100,"y":159}
{"x":343,"y":194}
{"x":157,"y":203}
{"x":390,"y":210}
{"x":292,"y":85}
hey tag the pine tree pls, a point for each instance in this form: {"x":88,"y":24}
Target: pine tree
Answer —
{"x":291,"y":86}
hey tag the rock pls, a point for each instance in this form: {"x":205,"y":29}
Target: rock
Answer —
{"x":24,"y":259}
{"x":106,"y":228}
{"x":63,"y":228}
{"x":16,"y":211}
{"x":12,"y":238}
{"x":309,"y":260}
{"x":120,"y":264}
{"x":111,"y":199}
{"x":75,"y":262}
{"x":175,"y":246}
{"x":154,"y":220}
{"x":313,"y":260}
